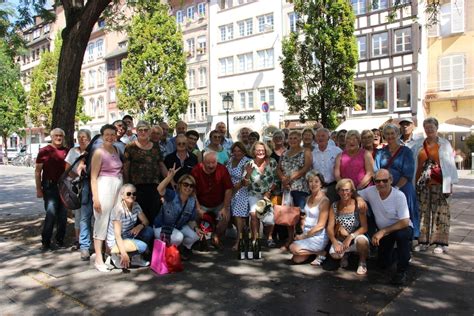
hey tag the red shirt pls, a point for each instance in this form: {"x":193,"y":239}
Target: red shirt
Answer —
{"x":210,"y":188}
{"x":53,"y":162}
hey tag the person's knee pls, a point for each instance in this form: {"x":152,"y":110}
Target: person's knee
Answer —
{"x":147,"y":234}
{"x":177,"y":237}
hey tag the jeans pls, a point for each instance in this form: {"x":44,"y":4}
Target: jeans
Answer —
{"x":386,"y":254}
{"x":86,"y":216}
{"x":56,"y":213}
{"x":186,"y":235}
{"x":144,"y":237}
{"x":299,"y":199}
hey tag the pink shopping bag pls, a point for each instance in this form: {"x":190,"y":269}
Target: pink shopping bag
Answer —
{"x":158,"y":260}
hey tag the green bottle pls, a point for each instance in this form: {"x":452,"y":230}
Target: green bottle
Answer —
{"x":257,"y":249}
{"x":241,"y":249}
{"x":248,"y":247}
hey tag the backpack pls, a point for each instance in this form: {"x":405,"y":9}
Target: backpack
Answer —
{"x":70,"y":188}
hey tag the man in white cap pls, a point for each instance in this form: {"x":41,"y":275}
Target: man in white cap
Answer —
{"x":406,"y":132}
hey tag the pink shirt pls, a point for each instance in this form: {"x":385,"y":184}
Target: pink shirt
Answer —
{"x":353,"y":167}
{"x":111,"y":164}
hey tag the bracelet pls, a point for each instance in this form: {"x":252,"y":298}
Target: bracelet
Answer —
{"x":353,"y":236}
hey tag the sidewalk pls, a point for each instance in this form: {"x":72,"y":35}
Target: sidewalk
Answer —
{"x":35,"y":283}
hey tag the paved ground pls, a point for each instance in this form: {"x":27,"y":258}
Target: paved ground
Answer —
{"x":35,"y":283}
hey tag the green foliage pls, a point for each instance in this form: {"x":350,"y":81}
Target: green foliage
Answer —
{"x":470,"y":143}
{"x":43,"y":86}
{"x":319,"y":61}
{"x":152,"y":83}
{"x":12,"y":95}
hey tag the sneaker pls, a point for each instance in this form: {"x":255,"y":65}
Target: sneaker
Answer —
{"x":137,"y":260}
{"x":85,"y":255}
{"x":420,"y":247}
{"x":271,"y":243}
{"x":440,"y":249}
{"x":115,"y":260}
{"x":362,"y":268}
{"x":101,"y":267}
{"x":399,"y":278}
{"x":318,"y":261}
{"x":344,"y":261}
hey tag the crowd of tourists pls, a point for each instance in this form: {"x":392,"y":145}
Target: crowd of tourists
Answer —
{"x":382,"y":190}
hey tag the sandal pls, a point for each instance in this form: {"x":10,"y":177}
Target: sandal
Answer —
{"x":318,"y":261}
{"x":101,"y":267}
{"x":362,"y":268}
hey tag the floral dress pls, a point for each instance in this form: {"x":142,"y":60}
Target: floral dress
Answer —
{"x":291,"y":164}
{"x":239,"y":203}
{"x":261,"y":183}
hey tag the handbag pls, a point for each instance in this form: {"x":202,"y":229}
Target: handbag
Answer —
{"x":158,"y":260}
{"x":70,"y":189}
{"x":286,"y":215}
{"x":173,"y":259}
{"x":436,"y":174}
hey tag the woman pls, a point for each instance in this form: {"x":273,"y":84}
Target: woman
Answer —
{"x":399,"y":161}
{"x":314,"y":238}
{"x":308,"y":138}
{"x":83,"y":138}
{"x":367,"y":142}
{"x":176,"y":220}
{"x":216,"y":146}
{"x":106,"y":181}
{"x":253,"y":137}
{"x":347,"y":226}
{"x":278,"y":139}
{"x":260,"y":175}
{"x":354,"y":162}
{"x":378,"y":140}
{"x":181,"y":157}
{"x":341,"y":139}
{"x":123,"y":229}
{"x":293,"y":166}
{"x":435,"y":174}
{"x":144,"y":167}
{"x":239,"y":205}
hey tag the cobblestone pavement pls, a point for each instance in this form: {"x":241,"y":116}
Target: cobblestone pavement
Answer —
{"x":35,"y":283}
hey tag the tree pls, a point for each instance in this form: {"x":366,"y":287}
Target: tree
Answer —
{"x":152,"y":82}
{"x":12,"y":96}
{"x":319,"y":61}
{"x":43,"y":89}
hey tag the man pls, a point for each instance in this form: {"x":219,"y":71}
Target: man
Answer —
{"x":392,"y":217}
{"x":191,"y":144}
{"x":181,"y":128}
{"x":156,"y":134}
{"x":50,"y":166}
{"x":244,"y":136}
{"x":163,"y":143}
{"x":121,"y":130}
{"x":213,"y":192}
{"x":324,"y":159}
{"x":129,"y":135}
{"x":406,"y":132}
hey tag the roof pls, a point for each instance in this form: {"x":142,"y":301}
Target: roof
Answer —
{"x":116,"y":52}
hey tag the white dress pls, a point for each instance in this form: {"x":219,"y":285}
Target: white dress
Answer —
{"x":319,"y":241}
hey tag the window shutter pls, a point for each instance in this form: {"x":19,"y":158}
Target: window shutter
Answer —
{"x":457,"y":16}
{"x":457,"y":66}
{"x":445,"y":73}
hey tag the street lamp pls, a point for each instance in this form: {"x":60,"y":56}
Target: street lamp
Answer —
{"x":227,"y":103}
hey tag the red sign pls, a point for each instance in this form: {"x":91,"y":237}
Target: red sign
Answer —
{"x":265,"y":107}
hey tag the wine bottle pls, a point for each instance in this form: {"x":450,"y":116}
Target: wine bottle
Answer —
{"x":248,"y":248}
{"x":257,"y":249}
{"x":241,"y":249}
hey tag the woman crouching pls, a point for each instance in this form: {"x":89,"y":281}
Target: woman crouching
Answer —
{"x":124,"y":237}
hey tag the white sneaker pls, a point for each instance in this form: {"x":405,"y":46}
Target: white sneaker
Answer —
{"x":420,"y":247}
{"x":137,"y":260}
{"x":440,"y":250}
{"x":115,"y":258}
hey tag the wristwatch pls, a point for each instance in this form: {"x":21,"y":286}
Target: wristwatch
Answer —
{"x":353,"y":235}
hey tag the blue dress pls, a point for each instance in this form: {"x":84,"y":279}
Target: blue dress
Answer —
{"x":403,"y":165}
{"x":240,"y":200}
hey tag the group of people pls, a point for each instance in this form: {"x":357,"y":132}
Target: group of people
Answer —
{"x":355,"y":191}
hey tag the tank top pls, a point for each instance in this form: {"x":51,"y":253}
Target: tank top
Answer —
{"x":111,"y":164}
{"x":350,"y":221}
{"x":353,"y":167}
{"x":312,"y":214}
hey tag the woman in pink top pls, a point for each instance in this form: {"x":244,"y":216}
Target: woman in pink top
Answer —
{"x":106,"y":180}
{"x":354,"y":162}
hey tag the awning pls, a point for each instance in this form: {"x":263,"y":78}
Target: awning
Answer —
{"x":362,"y":123}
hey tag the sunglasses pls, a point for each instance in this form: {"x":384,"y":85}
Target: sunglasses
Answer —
{"x":381,"y":180}
{"x":187,"y":185}
{"x":143,"y":130}
{"x":131,"y":194}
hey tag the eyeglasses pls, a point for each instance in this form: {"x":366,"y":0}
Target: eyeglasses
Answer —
{"x":143,"y":130}
{"x":181,"y":144}
{"x":381,"y":180}
{"x":187,"y":185}
{"x":345,"y":190}
{"x":134,"y":194}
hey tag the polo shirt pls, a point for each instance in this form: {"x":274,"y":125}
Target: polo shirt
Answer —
{"x":53,"y":162}
{"x":210,"y":188}
{"x":324,"y":161}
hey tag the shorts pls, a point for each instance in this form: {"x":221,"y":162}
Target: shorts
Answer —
{"x":352,"y":247}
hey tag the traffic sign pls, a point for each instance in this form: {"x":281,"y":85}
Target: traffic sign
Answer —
{"x":265,"y":107}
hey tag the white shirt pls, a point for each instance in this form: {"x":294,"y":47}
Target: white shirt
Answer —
{"x":389,"y":211}
{"x":324,"y":161}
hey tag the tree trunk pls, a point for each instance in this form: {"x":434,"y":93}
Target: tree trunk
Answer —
{"x":80,"y":22}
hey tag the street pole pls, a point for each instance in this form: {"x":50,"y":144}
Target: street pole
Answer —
{"x":227,"y":103}
{"x":227,"y":114}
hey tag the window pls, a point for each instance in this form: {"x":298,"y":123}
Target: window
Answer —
{"x":202,"y":9}
{"x":201,"y":45}
{"x":246,"y":100}
{"x":226,"y":66}
{"x":100,"y":106}
{"x":403,"y":91}
{"x":250,"y":101}
{"x":112,"y":94}
{"x":380,"y":44}
{"x":91,"y":78}
{"x":292,"y":17}
{"x":191,"y":79}
{"x":227,"y":32}
{"x":267,"y":95}
{"x":101,"y":77}
{"x":202,"y":77}
{"x":451,"y":18}
{"x":245,"y":27}
{"x":358,"y":6}
{"x":451,"y":72}
{"x":379,"y":4}
{"x":245,"y":62}
{"x":249,"y":24}
{"x":265,"y":23}
{"x":242,"y":100}
{"x":265,"y":58}
{"x":362,"y":47}
{"x":190,"y":13}
{"x":92,"y":107}
{"x":100,"y":48}
{"x":360,"y":89}
{"x":190,"y":44}
{"x":192,"y":111}
{"x":90,"y":52}
{"x":46,"y":28}
{"x":179,"y":16}
{"x":403,"y":40}
{"x":203,"y":109}
{"x":36,"y":33}
{"x":380,"y":94}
